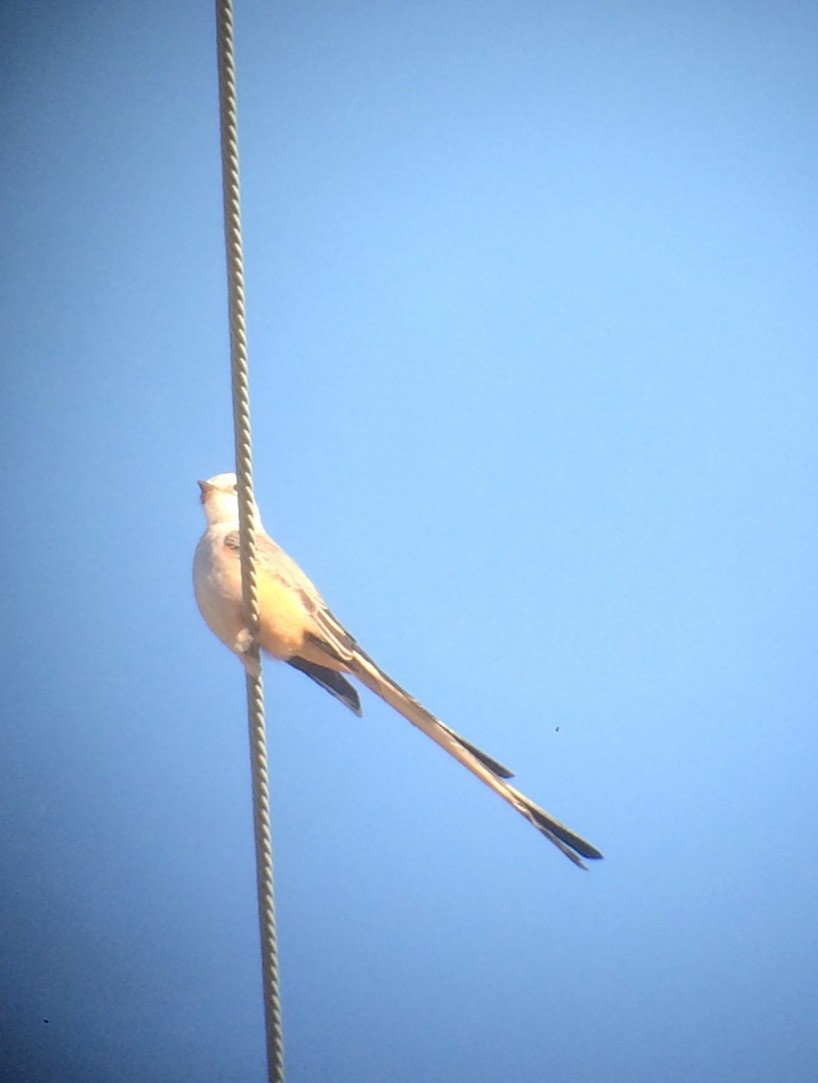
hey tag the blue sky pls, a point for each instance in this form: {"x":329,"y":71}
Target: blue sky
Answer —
{"x":532,"y":318}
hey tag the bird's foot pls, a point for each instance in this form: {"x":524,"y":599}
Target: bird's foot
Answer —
{"x":246,"y":647}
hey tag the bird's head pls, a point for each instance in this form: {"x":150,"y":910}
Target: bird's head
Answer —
{"x":219,"y":496}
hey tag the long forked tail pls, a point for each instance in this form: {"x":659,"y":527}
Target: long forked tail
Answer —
{"x":488,"y":770}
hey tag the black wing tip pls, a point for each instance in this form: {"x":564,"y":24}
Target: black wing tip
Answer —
{"x":353,"y":701}
{"x":331,"y":681}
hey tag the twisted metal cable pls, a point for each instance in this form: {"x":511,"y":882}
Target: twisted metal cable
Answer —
{"x":247,"y":532}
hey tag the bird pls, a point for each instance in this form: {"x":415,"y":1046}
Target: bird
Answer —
{"x":297,"y":627}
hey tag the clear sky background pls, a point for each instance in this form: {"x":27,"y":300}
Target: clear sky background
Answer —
{"x":533,"y":318}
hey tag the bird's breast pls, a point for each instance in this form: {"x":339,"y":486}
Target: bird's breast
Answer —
{"x":217,"y":587}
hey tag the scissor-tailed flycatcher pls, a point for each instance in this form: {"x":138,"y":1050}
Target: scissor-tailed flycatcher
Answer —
{"x":296,"y":626}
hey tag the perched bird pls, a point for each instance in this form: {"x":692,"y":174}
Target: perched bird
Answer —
{"x":296,"y":626}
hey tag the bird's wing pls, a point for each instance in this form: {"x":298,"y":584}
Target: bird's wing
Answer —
{"x":275,"y":564}
{"x":340,"y":645}
{"x":329,"y":637}
{"x":331,"y":680}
